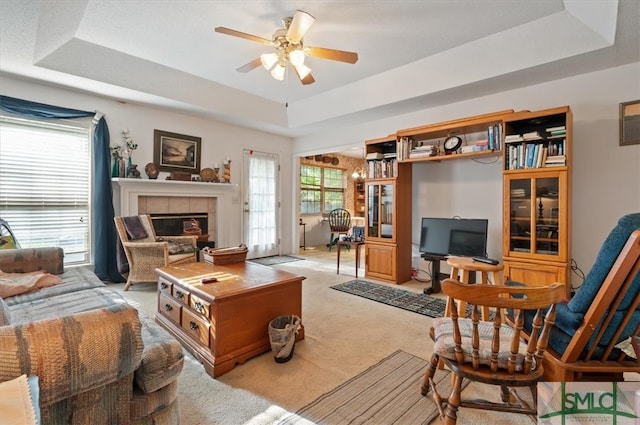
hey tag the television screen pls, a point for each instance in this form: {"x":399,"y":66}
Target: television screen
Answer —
{"x":453,"y":236}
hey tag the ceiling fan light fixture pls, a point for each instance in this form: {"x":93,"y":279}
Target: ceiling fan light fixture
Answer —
{"x":268,"y":60}
{"x":302,"y":70}
{"x":278,"y":72}
{"x":296,"y":57}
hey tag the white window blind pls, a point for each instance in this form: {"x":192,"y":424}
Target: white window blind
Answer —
{"x":45,"y":185}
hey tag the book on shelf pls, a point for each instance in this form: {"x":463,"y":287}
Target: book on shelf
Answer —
{"x":375,"y":155}
{"x":557,"y":128}
{"x":510,"y":138}
{"x":532,"y":135}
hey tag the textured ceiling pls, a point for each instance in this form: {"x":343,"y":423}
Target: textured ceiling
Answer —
{"x":411,"y":53}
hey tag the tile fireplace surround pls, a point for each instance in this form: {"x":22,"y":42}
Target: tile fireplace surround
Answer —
{"x":140,"y":196}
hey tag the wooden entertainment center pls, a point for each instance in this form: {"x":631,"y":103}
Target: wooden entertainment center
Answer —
{"x":535,"y":148}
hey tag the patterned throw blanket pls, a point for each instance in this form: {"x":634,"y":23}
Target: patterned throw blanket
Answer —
{"x":18,"y":283}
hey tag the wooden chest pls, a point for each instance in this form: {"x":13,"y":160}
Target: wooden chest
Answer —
{"x":225,"y":322}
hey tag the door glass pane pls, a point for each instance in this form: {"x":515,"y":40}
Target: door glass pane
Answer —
{"x":520,"y":225}
{"x":547,"y":215}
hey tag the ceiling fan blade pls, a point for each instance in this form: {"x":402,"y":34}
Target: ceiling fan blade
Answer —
{"x":235,"y":33}
{"x":250,"y":66}
{"x":308,"y":79}
{"x":300,"y":24}
{"x":335,"y":55}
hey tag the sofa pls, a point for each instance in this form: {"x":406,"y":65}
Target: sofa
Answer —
{"x":98,"y":360}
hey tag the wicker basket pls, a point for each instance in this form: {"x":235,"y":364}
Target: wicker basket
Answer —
{"x":219,"y":256}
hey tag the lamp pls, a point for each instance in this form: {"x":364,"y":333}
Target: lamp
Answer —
{"x":278,"y":71}
{"x":268,"y":60}
{"x":296,"y":57}
{"x":358,"y":174}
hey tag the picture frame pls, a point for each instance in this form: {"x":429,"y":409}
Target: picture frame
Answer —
{"x":630,"y":123}
{"x":176,"y":152}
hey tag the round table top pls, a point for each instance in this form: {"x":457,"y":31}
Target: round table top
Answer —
{"x":467,"y":263}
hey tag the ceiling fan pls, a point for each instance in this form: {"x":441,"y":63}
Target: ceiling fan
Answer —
{"x":290,"y":49}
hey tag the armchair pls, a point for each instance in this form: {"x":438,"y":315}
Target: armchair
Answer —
{"x":592,"y":329}
{"x":145,"y":251}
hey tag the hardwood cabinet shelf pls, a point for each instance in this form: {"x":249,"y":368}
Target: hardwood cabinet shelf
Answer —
{"x":537,"y":229}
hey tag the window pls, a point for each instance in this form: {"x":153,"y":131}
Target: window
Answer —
{"x":321,"y":189}
{"x":45,"y":184}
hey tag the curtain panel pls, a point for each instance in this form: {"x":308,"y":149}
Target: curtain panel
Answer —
{"x":103,"y":229}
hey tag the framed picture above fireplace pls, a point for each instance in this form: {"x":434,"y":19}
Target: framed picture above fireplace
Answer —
{"x":176,"y":152}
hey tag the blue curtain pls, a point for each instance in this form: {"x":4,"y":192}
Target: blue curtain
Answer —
{"x":102,"y":227}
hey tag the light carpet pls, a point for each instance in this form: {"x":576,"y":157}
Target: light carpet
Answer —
{"x":407,"y":300}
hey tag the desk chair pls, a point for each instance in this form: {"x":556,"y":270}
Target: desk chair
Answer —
{"x":339,"y":223}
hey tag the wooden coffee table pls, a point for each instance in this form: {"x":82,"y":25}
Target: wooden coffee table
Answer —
{"x":225,"y":322}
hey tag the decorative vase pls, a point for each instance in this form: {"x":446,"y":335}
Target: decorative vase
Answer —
{"x":115,"y":170}
{"x":122,"y":168}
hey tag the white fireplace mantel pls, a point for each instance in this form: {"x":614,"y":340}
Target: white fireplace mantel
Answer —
{"x":126,"y":193}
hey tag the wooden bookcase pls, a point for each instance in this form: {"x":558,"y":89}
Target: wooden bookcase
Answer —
{"x":388,"y":213}
{"x":480,"y":134}
{"x":537,"y":197}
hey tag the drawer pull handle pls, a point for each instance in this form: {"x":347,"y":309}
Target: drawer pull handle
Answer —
{"x":193,"y":326}
{"x":168,"y":307}
{"x":179,"y":294}
{"x":163,"y":285}
{"x":199,"y":307}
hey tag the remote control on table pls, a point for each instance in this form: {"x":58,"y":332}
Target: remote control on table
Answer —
{"x":486,"y":260}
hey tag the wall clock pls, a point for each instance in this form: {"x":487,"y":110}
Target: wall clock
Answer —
{"x":452,"y":144}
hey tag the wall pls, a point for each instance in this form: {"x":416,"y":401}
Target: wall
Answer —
{"x":216,"y":137}
{"x":606,"y":176}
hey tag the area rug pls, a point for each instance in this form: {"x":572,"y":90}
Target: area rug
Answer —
{"x":412,"y":301}
{"x":386,"y":393}
{"x":275,"y":259}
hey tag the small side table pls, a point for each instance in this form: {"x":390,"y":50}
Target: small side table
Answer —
{"x":304,"y":236}
{"x":466,"y":265}
{"x":350,"y":244}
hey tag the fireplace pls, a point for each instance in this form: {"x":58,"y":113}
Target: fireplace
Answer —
{"x":174,"y":224}
{"x":176,"y":199}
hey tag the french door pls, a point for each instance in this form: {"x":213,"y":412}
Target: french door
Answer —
{"x":260,"y":204}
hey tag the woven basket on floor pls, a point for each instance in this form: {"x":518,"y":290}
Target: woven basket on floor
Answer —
{"x":219,"y":256}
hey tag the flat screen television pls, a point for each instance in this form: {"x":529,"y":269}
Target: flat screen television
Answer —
{"x":440,"y":237}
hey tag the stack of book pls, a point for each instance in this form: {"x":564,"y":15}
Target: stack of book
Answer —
{"x":509,"y":138}
{"x":423,"y":151}
{"x":559,"y":131}
{"x":555,"y":161}
{"x":532,"y":135}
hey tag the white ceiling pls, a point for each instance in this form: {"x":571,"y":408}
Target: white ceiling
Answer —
{"x":412,"y":54}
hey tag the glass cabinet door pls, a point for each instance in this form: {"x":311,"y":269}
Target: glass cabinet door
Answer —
{"x":380,"y":210}
{"x":373,"y":209}
{"x":534,"y":210}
